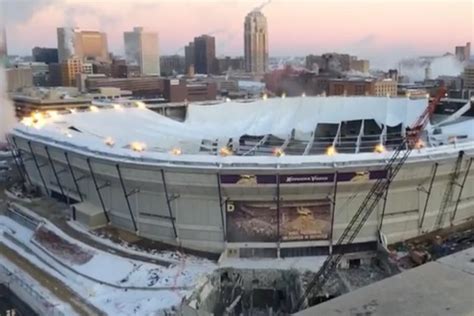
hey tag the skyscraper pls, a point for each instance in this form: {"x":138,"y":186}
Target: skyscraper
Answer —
{"x":45,"y":55}
{"x":205,"y":54}
{"x":142,"y":49}
{"x":85,"y":45}
{"x":256,"y":42}
{"x":463,"y":53}
{"x":189,"y":56}
{"x":3,"y":47}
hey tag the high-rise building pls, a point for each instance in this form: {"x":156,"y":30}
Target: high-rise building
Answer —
{"x":256,"y":42}
{"x":18,"y":78}
{"x":45,"y":55}
{"x":228,"y":63}
{"x":172,"y":64}
{"x":468,"y":77}
{"x":360,"y":65}
{"x":3,"y":46}
{"x":189,"y":56}
{"x":205,"y":54}
{"x":92,"y":45}
{"x":142,"y":49}
{"x":385,"y":87}
{"x":69,"y":69}
{"x":85,"y":45}
{"x":463,"y":53}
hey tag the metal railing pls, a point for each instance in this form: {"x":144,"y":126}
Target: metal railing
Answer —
{"x":11,"y":279}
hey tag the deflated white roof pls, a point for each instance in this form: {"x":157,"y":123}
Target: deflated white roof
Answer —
{"x":112,"y":130}
{"x":279,"y":116}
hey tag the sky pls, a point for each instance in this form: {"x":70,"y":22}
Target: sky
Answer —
{"x":384,"y":31}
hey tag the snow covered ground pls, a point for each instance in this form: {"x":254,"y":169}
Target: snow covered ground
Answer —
{"x":121,"y":286}
{"x":112,"y":269}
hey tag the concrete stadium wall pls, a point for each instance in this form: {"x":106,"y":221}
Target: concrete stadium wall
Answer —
{"x":195,"y":204}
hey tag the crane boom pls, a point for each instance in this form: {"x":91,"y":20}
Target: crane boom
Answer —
{"x":398,"y":158}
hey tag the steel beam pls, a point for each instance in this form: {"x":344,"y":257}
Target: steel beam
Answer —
{"x":55,"y":173}
{"x":17,"y":164}
{"x":428,"y":195}
{"x":278,"y":208}
{"x":333,"y":211}
{"x":221,"y":203}
{"x":98,"y":190}
{"x":38,"y":167}
{"x":73,"y":176}
{"x":22,"y":161}
{"x":125,"y":194}
{"x":385,"y":198}
{"x":461,"y":189}
{"x":168,"y":203}
{"x":385,"y":201}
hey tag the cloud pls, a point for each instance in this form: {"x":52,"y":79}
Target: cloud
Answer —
{"x":21,"y":11}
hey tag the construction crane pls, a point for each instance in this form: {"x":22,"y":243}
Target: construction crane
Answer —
{"x":376,"y":193}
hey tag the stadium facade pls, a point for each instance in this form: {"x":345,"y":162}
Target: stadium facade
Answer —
{"x":276,"y":177}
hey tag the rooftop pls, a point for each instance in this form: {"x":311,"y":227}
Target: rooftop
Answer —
{"x":300,"y":130}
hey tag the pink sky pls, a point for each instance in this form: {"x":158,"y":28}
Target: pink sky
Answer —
{"x":368,"y":28}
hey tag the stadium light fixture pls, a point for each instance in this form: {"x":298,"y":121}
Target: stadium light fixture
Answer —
{"x":52,"y":114}
{"x":278,"y":152}
{"x":118,"y":107}
{"x":109,"y":141}
{"x":420,"y":144}
{"x":138,"y":146}
{"x":176,"y":151}
{"x":140,"y":105}
{"x":27,"y":121}
{"x":37,"y":116}
{"x":37,"y":120}
{"x":225,"y":151}
{"x":331,"y":151}
{"x":379,"y":148}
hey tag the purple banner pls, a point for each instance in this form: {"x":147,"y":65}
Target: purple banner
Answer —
{"x":303,"y":178}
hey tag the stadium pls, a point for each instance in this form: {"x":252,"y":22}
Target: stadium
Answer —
{"x":270,"y":177}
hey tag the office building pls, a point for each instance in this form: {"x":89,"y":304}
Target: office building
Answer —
{"x":3,"y":43}
{"x":256,"y":42}
{"x":205,"y":54}
{"x":385,"y":87}
{"x":468,"y":77}
{"x":172,"y":65}
{"x":120,"y":69}
{"x":359,"y":65}
{"x":45,"y":55}
{"x":18,"y":78}
{"x":463,"y":53}
{"x":69,"y":69}
{"x":189,"y":57}
{"x":351,"y":87}
{"x":226,"y":64}
{"x":145,"y":86}
{"x":142,"y":49}
{"x":85,"y":45}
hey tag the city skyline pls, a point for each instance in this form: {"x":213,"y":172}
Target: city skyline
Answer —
{"x":380,"y":36}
